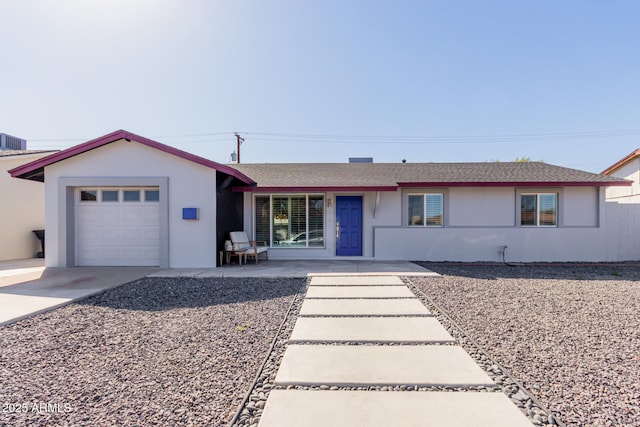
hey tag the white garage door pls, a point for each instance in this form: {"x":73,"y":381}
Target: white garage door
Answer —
{"x":117,"y":227}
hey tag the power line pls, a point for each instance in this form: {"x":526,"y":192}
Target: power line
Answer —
{"x":214,"y":137}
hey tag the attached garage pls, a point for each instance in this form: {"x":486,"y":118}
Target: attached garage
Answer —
{"x":120,"y":200}
{"x":117,"y":226}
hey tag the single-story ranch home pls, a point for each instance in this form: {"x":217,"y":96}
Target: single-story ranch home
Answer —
{"x":123,"y":199}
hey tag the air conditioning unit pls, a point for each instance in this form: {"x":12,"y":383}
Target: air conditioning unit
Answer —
{"x":8,"y":142}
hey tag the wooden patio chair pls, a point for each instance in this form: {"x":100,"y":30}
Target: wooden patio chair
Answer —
{"x":248,"y":248}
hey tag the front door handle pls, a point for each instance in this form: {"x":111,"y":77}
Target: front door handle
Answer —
{"x":337,"y":230}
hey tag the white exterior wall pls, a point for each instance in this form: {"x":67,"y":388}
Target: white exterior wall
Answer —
{"x":580,"y":207}
{"x":478,"y":222}
{"x":189,"y":243}
{"x":484,"y":244}
{"x":22,"y":210}
{"x":481,"y":207}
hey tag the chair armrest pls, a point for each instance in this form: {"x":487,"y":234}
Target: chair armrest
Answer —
{"x":255,"y":242}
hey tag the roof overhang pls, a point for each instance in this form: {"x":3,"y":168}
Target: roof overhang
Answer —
{"x":621,"y":162}
{"x":336,"y":189}
{"x":35,"y":170}
{"x":516,"y":184}
{"x":294,"y":189}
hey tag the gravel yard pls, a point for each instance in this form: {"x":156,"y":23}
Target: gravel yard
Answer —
{"x":570,"y":334}
{"x":152,"y":352}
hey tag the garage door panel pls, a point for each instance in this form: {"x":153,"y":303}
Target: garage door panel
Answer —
{"x":121,"y":233}
{"x":152,"y":235}
{"x":133,"y":237}
{"x":109,"y":237}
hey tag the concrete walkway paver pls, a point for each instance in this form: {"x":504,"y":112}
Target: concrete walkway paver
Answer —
{"x":369,"y":361}
{"x":359,"y":292}
{"x":293,"y":408}
{"x":363,"y":307}
{"x":356,"y":281}
{"x":369,"y":329}
{"x":360,"y":365}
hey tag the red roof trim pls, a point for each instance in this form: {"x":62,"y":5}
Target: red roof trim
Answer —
{"x":621,"y":162}
{"x":116,"y":136}
{"x":516,"y":184}
{"x":309,"y":189}
{"x":320,"y":189}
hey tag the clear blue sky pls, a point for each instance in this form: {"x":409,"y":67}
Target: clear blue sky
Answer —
{"x":422,"y":80}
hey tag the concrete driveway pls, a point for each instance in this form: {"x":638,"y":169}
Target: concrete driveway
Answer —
{"x":27,"y":287}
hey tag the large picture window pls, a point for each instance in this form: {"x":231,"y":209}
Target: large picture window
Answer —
{"x":426,"y":210}
{"x":539,"y":210}
{"x":290,"y":220}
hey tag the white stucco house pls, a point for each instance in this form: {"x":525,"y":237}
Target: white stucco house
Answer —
{"x":22,"y":203}
{"x":123,"y":199}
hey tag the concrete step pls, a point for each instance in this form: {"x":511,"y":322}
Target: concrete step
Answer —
{"x":356,"y":281}
{"x":359,"y":292}
{"x":289,"y":408}
{"x":369,"y":329}
{"x":361,"y":365}
{"x":363,"y":307}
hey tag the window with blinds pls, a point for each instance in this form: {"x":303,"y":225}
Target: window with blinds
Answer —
{"x":539,"y":210}
{"x":295,"y":221}
{"x":262,"y":215}
{"x":426,"y":210}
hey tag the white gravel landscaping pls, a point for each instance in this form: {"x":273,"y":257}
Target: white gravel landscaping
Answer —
{"x":183,"y":351}
{"x":153,"y":352}
{"x":570,"y":334}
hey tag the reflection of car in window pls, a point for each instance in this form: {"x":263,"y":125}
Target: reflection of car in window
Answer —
{"x":315,"y":238}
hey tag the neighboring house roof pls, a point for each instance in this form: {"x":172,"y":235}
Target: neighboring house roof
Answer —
{"x":13,"y":153}
{"x":634,"y":155}
{"x":272,"y":177}
{"x":35,"y":170}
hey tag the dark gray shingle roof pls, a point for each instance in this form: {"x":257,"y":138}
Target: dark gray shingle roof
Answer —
{"x":393,"y":174}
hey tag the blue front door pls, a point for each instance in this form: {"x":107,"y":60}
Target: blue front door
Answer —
{"x":349,"y":225}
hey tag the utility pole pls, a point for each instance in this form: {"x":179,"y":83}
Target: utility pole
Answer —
{"x":240,"y":141}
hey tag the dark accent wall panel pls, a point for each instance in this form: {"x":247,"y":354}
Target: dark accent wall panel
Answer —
{"x":230,"y":208}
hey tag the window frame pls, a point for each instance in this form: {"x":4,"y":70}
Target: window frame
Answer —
{"x":98,"y":193}
{"x":425,"y":195}
{"x":538,"y":194}
{"x":307,"y":230}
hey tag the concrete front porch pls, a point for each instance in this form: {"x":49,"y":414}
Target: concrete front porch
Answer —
{"x":302,"y":268}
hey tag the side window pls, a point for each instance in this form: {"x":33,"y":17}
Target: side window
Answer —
{"x":539,"y":210}
{"x":425,"y":210}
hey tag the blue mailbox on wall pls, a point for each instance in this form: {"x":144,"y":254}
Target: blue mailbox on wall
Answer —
{"x":190,"y":214}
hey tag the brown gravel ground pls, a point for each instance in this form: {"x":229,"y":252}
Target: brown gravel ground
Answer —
{"x":153,"y":352}
{"x":569,"y":333}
